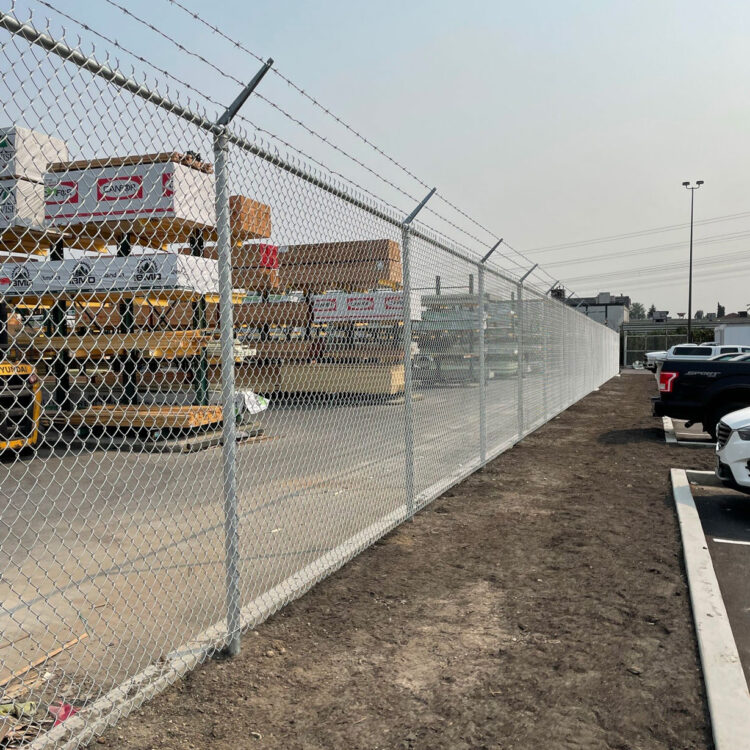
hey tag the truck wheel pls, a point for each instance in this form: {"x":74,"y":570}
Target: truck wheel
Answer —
{"x":719,"y":411}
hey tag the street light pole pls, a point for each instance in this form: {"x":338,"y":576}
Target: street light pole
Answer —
{"x":692,"y":189}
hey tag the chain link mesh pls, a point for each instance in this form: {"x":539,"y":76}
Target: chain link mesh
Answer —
{"x":165,"y":488}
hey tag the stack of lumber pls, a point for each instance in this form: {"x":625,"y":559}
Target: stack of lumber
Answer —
{"x":319,"y":377}
{"x":157,"y":199}
{"x":355,"y":265}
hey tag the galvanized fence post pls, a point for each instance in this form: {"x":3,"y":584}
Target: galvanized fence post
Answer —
{"x":519,"y":319}
{"x":408,"y":395}
{"x":545,"y":356}
{"x":229,"y":436}
{"x":482,"y":369}
{"x":408,"y":401}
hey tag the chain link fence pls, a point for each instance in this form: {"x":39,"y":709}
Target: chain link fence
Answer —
{"x":223,"y":374}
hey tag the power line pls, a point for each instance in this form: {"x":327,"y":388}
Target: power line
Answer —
{"x":639,"y":233}
{"x":528,"y":260}
{"x":718,"y":260}
{"x":196,"y":16}
{"x":659,"y":282}
{"x":301,"y":124}
{"x":712,"y":239}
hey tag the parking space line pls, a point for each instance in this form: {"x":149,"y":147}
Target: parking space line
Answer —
{"x":732,"y":541}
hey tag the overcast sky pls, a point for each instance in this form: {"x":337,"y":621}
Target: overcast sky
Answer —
{"x":552,"y":123}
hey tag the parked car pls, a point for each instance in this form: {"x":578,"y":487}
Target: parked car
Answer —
{"x":733,"y":450}
{"x":702,"y":390}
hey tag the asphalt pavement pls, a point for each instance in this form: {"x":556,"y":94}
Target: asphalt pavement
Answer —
{"x":129,"y":547}
{"x":725,"y":516}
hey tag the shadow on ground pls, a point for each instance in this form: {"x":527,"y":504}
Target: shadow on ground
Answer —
{"x":636,"y":435}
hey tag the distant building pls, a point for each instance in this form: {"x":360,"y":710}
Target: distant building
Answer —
{"x":734,"y":330}
{"x":605,"y":308}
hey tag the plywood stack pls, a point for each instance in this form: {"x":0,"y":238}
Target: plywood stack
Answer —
{"x":130,"y":311}
{"x":359,"y":265}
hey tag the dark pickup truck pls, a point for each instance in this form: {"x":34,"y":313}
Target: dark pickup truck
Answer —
{"x":702,"y":391}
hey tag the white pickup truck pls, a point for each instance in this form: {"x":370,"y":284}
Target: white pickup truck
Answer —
{"x":654,"y":360}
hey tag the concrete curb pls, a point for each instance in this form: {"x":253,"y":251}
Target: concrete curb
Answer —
{"x":670,"y":437}
{"x":726,"y":689}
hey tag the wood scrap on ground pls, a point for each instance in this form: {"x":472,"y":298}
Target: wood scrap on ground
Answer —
{"x":38,"y":662}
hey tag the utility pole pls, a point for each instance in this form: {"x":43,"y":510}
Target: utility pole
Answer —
{"x":692,"y":189}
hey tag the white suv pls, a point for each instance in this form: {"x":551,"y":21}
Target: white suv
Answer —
{"x":733,"y":450}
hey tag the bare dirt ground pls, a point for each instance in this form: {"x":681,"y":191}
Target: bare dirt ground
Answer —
{"x":539,"y":604}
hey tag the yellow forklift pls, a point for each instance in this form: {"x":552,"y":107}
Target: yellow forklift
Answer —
{"x":20,"y":397}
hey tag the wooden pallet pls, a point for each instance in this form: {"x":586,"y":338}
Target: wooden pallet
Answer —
{"x":158,"y":233}
{"x":163,"y":157}
{"x":152,"y":233}
{"x":143,"y":417}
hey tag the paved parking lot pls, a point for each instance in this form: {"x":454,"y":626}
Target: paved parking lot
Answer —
{"x":725,"y":516}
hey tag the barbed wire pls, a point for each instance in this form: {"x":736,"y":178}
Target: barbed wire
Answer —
{"x":308,"y":157}
{"x":289,"y":116}
{"x":530,"y":262}
{"x":278,"y":138}
{"x":328,"y":112}
{"x":133,"y":54}
{"x":196,"y":16}
{"x":303,"y":125}
{"x":222,"y":105}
